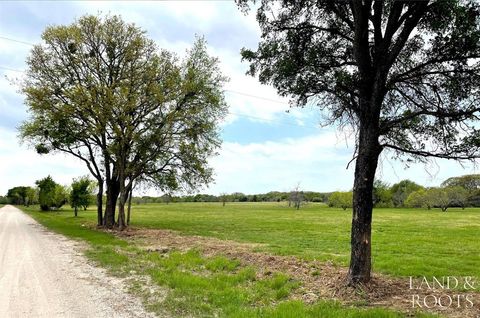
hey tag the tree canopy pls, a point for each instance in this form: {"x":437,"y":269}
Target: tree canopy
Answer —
{"x":100,"y":90}
{"x":21,"y":195}
{"x":470,"y":182}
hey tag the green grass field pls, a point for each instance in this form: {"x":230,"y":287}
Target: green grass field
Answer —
{"x":405,"y":242}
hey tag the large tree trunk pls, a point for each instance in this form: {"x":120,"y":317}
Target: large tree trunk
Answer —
{"x":100,"y":203}
{"x":113,"y":189}
{"x":365,"y":167}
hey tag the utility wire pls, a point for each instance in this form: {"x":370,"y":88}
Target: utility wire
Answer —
{"x":17,"y":41}
{"x":11,"y":69}
{"x":231,"y":113}
{"x":226,"y":90}
{"x":259,"y":97}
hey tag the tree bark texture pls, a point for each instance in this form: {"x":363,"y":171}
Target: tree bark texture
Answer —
{"x":113,"y":190}
{"x":365,"y":167}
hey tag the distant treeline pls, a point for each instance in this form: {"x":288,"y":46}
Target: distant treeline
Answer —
{"x":273,"y":196}
{"x":462,"y":191}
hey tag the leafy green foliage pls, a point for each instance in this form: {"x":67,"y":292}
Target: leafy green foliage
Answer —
{"x":21,"y":195}
{"x":382,"y":194}
{"x":51,"y":194}
{"x":470,"y":182}
{"x":320,"y":52}
{"x":400,"y":191}
{"x":401,"y":82}
{"x":81,"y":193}
{"x":342,"y":200}
{"x":417,"y":199}
{"x":438,"y":197}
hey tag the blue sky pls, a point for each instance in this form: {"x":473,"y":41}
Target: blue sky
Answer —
{"x":264,"y":149}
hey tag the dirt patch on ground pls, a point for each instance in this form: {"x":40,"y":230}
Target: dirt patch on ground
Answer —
{"x":319,"y":280}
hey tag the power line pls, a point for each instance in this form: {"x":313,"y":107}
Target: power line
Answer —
{"x":11,"y":69}
{"x":226,"y":90}
{"x":231,"y":113}
{"x":254,"y":96}
{"x":17,"y":41}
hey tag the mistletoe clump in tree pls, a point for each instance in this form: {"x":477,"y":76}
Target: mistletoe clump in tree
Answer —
{"x":403,"y":74}
{"x":101,"y":91}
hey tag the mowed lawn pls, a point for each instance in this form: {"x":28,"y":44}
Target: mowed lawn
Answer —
{"x":405,"y":242}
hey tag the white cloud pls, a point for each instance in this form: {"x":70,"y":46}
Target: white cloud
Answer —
{"x":143,"y":12}
{"x":317,"y":162}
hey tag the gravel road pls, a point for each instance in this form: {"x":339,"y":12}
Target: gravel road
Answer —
{"x":43,"y":274}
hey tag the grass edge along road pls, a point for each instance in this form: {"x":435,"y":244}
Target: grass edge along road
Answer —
{"x":189,"y":284}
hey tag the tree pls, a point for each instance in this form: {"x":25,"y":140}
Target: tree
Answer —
{"x":404,"y":74}
{"x":21,"y":195}
{"x":17,"y":195}
{"x":296,"y":196}
{"x":224,"y":198}
{"x":416,"y":199}
{"x":439,"y":197}
{"x":80,"y":194}
{"x":50,"y":194}
{"x":60,"y":196}
{"x":430,"y":198}
{"x":382,"y":196}
{"x":100,"y":90}
{"x":400,"y":191}
{"x":342,"y":200}
{"x":31,"y":195}
{"x":458,"y":196}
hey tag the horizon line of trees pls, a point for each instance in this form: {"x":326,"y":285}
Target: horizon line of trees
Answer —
{"x":462,"y":191}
